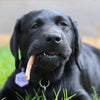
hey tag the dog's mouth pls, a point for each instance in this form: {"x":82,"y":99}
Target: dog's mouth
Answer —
{"x":47,"y":58}
{"x":49,"y":55}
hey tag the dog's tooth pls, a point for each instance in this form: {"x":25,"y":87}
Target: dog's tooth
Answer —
{"x":44,"y":54}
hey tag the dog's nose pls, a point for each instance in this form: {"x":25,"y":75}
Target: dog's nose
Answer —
{"x":53,"y":38}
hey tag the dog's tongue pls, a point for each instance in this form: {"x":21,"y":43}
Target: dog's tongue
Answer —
{"x":29,"y":66}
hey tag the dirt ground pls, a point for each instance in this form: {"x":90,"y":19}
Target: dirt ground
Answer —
{"x":95,"y":41}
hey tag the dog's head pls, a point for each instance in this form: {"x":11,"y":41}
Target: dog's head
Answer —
{"x":49,"y":35}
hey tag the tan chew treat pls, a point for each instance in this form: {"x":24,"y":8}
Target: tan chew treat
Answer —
{"x":29,"y":66}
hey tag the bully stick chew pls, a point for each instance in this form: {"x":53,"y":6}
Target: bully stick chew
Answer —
{"x":29,"y":66}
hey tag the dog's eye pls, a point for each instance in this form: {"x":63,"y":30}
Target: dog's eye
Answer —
{"x":35,"y":26}
{"x":62,"y":23}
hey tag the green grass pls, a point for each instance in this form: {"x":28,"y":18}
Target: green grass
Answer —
{"x":6,"y":68}
{"x":95,"y":95}
{"x":43,"y":97}
{"x":6,"y":64}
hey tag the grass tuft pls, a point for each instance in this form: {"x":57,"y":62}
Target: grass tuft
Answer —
{"x":43,"y":97}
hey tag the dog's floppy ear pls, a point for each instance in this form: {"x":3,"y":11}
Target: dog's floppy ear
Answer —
{"x":77,"y":44}
{"x":14,"y":42}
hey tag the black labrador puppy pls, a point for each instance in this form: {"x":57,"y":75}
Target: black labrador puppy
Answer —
{"x":61,"y":59}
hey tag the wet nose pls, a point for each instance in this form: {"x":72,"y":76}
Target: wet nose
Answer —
{"x":53,"y":38}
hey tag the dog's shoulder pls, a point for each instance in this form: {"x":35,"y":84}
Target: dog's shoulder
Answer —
{"x":89,"y":56}
{"x":90,"y":48}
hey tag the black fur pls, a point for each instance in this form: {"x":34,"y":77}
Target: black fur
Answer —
{"x":75,"y":66}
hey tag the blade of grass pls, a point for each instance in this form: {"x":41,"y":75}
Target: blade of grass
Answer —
{"x":95,"y":94}
{"x":19,"y":97}
{"x":71,"y":96}
{"x":44,"y":97}
{"x":57,"y":94}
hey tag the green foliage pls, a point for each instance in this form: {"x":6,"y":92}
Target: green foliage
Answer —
{"x":4,"y":98}
{"x":95,"y":96}
{"x":66,"y":96}
{"x":27,"y":97}
{"x":57,"y":94}
{"x":43,"y":97}
{"x":6,"y":64}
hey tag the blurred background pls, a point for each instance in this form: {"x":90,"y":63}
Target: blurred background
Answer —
{"x":85,"y":12}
